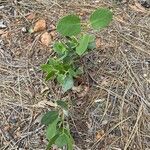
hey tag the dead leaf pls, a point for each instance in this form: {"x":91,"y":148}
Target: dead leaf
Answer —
{"x":31,"y":16}
{"x":45,"y":39}
{"x":99,"y":134}
{"x":40,"y":25}
{"x":98,"y":42}
{"x":81,"y":90}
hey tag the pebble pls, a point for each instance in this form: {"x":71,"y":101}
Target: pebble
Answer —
{"x":24,"y":29}
{"x":2,"y":25}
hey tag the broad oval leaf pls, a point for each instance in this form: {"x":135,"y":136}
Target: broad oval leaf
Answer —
{"x":101,"y":18}
{"x":59,"y":48}
{"x":46,"y":68}
{"x":83,"y":44}
{"x":49,"y":117}
{"x":68,"y":83}
{"x":52,"y":141}
{"x":50,"y":75}
{"x":51,"y":130}
{"x":69,"y":139}
{"x":69,"y":25}
{"x":62,"y":140}
{"x":61,"y":78}
{"x":92,"y":45}
{"x":62,"y":104}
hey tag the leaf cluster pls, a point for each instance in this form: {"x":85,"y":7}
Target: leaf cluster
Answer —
{"x":76,"y":43}
{"x":57,"y":131}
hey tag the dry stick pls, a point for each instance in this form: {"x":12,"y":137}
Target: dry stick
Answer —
{"x":138,"y":48}
{"x":107,"y":133}
{"x":136,"y":39}
{"x":113,"y":93}
{"x":92,"y":102}
{"x":106,"y":107}
{"x":19,"y":90}
{"x":132,"y":25}
{"x":29,"y":134}
{"x":122,"y":104}
{"x":113,"y":148}
{"x":135,"y":128}
{"x":8,"y":137}
{"x":135,"y":78}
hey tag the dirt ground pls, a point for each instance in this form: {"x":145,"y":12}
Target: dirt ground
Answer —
{"x":113,"y":113}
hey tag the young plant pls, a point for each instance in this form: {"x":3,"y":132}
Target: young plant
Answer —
{"x":57,"y":131}
{"x":76,"y":43}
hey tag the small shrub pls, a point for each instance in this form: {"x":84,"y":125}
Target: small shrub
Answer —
{"x":64,"y":69}
{"x":74,"y":46}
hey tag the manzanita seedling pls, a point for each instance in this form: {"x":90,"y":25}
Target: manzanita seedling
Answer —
{"x":57,"y":131}
{"x":64,"y":68}
{"x":75,"y":44}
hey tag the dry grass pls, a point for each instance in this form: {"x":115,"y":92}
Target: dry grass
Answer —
{"x":114,"y":115}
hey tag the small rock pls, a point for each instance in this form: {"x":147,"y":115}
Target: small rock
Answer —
{"x":45,"y":39}
{"x":2,"y":25}
{"x":1,"y":7}
{"x":24,"y":30}
{"x":104,"y":122}
{"x":40,"y":25}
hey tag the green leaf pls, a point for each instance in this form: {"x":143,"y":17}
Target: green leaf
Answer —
{"x":79,"y":71}
{"x":59,"y":48}
{"x":76,"y":72}
{"x":52,"y":141}
{"x":68,"y":83}
{"x":72,"y":43}
{"x":69,"y":25}
{"x":46,"y":68}
{"x":51,"y":130}
{"x":72,"y":72}
{"x":50,"y":75}
{"x":62,"y":104}
{"x":101,"y":18}
{"x":69,"y":139}
{"x":49,"y":117}
{"x":92,"y":45}
{"x":92,"y":38}
{"x":57,"y":65}
{"x":83,"y":44}
{"x":61,"y":78}
{"x":62,"y":140}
